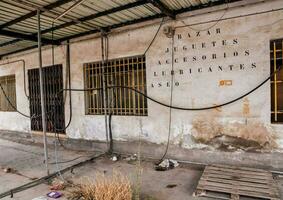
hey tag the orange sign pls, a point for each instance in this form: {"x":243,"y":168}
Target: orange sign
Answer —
{"x":225,"y":82}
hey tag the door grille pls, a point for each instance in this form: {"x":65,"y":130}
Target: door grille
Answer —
{"x":53,"y":84}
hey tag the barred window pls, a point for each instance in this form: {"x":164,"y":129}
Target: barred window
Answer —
{"x":276,"y":61}
{"x":8,"y":84}
{"x":130,"y":72}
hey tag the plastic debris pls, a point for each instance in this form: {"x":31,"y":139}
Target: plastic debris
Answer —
{"x":54,"y":194}
{"x":166,"y":165}
{"x":114,"y":158}
{"x":57,"y":185}
{"x":7,"y":170}
{"x":132,"y":158}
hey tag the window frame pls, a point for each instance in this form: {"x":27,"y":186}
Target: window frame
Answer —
{"x":275,"y":105}
{"x":8,"y":91}
{"x":132,"y":71}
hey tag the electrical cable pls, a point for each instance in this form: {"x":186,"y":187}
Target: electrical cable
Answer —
{"x":154,"y":37}
{"x":104,"y":86}
{"x":106,"y":52}
{"x":21,"y":60}
{"x":206,"y":29}
{"x":11,"y":104}
{"x":14,"y":107}
{"x":110,"y":122}
{"x":111,"y":113}
{"x":24,"y":71}
{"x":175,"y":107}
{"x":44,"y":179}
{"x":156,"y":101}
{"x":171,"y":101}
{"x":70,"y":105}
{"x":68,"y":76}
{"x":57,"y":130}
{"x":159,"y":102}
{"x":67,"y":161}
{"x":186,"y":108}
{"x":25,"y":91}
{"x":56,"y":161}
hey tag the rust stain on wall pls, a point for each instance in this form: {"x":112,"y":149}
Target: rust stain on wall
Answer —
{"x":232,"y":136}
{"x":246,"y":107}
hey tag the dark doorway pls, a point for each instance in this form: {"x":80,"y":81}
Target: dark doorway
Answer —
{"x":54,"y":100}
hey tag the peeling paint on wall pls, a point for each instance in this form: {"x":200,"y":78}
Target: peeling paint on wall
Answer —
{"x":246,"y":107}
{"x":233,"y":136}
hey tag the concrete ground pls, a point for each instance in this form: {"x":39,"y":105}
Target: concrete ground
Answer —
{"x":27,"y":162}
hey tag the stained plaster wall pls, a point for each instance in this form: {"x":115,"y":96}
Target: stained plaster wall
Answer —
{"x":196,"y":83}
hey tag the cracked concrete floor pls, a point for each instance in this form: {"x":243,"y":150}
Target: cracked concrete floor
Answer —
{"x":28,"y":161}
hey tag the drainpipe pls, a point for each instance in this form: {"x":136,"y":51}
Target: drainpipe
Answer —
{"x":42,"y":93}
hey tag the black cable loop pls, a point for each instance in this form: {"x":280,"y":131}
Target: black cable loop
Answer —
{"x":185,"y":108}
{"x":11,"y":104}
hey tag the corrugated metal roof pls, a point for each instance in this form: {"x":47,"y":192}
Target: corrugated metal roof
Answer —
{"x":90,"y":16}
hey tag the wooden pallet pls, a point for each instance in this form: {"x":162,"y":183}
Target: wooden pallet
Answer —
{"x":226,"y":182}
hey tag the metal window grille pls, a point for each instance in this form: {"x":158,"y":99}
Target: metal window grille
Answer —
{"x":130,"y":72}
{"x":54,"y":103}
{"x":9,"y":85}
{"x":276,"y":61}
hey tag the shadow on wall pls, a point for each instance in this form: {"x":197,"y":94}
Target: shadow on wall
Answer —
{"x":234,"y":136}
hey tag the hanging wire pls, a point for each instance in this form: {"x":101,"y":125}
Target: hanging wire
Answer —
{"x":208,"y":28}
{"x":154,"y":37}
{"x":171,"y":100}
{"x":11,"y":104}
{"x":24,"y":72}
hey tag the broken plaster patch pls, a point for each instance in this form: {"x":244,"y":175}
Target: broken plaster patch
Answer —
{"x":233,"y":136}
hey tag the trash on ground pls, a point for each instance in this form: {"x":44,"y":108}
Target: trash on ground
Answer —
{"x":132,"y":157}
{"x":166,"y":165}
{"x":114,"y":158}
{"x":54,"y":194}
{"x":57,"y":185}
{"x":7,"y":170}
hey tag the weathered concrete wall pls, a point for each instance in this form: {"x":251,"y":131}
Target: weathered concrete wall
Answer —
{"x":235,"y":49}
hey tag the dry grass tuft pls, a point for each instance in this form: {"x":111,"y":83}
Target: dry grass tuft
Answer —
{"x":116,"y":187}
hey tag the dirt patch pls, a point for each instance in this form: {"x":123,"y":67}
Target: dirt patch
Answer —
{"x":233,"y":136}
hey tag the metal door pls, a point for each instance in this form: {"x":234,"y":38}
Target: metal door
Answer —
{"x":54,"y":103}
